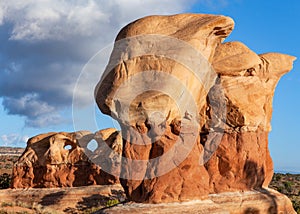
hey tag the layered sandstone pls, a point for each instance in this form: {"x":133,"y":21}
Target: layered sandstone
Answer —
{"x":195,"y":112}
{"x":65,"y":160}
{"x":242,"y":160}
{"x":59,"y":200}
{"x":267,"y":201}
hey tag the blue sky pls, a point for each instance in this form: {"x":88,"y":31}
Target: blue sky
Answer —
{"x":45,"y":45}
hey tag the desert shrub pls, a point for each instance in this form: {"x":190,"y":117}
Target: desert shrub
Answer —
{"x":2,"y":211}
{"x":288,"y":185}
{"x":277,"y":177}
{"x":296,"y":205}
{"x":91,"y":210}
{"x":6,"y":204}
{"x":112,"y":202}
{"x":7,"y":166}
{"x":280,"y":189}
{"x":5,"y":180}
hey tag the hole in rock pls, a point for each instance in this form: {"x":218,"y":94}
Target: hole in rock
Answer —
{"x":92,"y":145}
{"x":68,"y":147}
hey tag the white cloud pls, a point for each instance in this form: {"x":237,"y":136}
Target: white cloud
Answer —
{"x":27,"y":105}
{"x":25,"y":138}
{"x":217,"y":4}
{"x":37,"y":113}
{"x":45,"y":44}
{"x":1,"y":15}
{"x":56,"y":19}
{"x":13,"y":140}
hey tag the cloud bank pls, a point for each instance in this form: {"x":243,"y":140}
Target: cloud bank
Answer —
{"x":13,"y":140}
{"x":45,"y":44}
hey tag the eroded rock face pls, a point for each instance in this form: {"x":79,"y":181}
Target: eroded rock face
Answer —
{"x":242,"y":160}
{"x":154,"y":95}
{"x":195,"y":112}
{"x":64,"y":160}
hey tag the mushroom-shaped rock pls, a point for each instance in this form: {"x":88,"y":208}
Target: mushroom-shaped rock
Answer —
{"x":194,"y":112}
{"x":159,"y":75}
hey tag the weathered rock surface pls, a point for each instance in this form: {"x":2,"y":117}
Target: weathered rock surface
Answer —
{"x":64,"y":160}
{"x":60,"y":200}
{"x":150,"y":95}
{"x":189,"y":130}
{"x":242,"y":160}
{"x":265,"y":201}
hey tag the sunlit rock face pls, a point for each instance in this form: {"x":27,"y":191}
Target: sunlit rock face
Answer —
{"x":195,"y":112}
{"x":242,"y":160}
{"x":65,"y":160}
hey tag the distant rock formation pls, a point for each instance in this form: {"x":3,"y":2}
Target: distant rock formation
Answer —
{"x":195,"y":112}
{"x":64,"y":160}
{"x":11,"y":151}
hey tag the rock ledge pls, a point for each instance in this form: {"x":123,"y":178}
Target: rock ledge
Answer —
{"x":263,"y":201}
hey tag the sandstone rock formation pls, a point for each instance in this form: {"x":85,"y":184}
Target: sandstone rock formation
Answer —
{"x":64,"y":160}
{"x":268,"y":201}
{"x":242,"y":160}
{"x":195,"y":112}
{"x":60,"y":200}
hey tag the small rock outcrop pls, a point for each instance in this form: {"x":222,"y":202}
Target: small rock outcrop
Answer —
{"x":195,"y":112}
{"x":64,"y":160}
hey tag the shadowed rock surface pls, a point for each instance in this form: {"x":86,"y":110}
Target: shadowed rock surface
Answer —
{"x":190,"y":129}
{"x":64,"y":160}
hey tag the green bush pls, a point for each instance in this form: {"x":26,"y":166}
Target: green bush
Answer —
{"x":5,"y":180}
{"x":296,"y":205}
{"x":277,"y":177}
{"x":2,"y":211}
{"x":288,"y":186}
{"x":112,"y":202}
{"x":6,"y":204}
{"x":280,"y":189}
